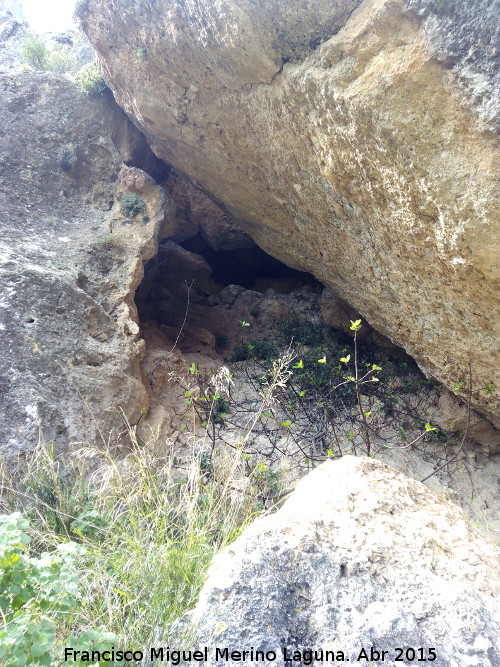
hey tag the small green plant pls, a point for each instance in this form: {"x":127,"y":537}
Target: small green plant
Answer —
{"x":37,"y":597}
{"x":109,"y":242}
{"x":268,"y":482}
{"x":90,"y":81}
{"x":219,"y":410}
{"x":131,"y":205}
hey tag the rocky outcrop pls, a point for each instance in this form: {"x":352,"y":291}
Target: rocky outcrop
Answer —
{"x":358,"y":557}
{"x":350,"y":139}
{"x":12,"y":36}
{"x":70,"y":262}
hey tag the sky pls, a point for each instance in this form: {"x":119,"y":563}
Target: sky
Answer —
{"x":49,"y":15}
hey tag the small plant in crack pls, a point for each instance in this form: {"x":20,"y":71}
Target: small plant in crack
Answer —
{"x":131,"y":205}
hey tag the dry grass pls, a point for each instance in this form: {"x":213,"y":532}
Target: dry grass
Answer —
{"x":150,"y":529}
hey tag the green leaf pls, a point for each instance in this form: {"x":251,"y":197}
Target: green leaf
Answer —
{"x":428,"y":427}
{"x":355,"y":325}
{"x":286,"y":424}
{"x":345,"y":360}
{"x":322,"y":360}
{"x":300,"y":364}
{"x":244,"y":324}
{"x":193,"y":370}
{"x":329,"y":452}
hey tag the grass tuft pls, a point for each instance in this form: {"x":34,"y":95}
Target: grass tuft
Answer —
{"x":150,"y":528}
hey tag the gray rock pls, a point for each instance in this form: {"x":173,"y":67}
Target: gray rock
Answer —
{"x":11,"y":8}
{"x":465,"y":37}
{"x":12,"y":36}
{"x":70,"y":345}
{"x":360,"y":556}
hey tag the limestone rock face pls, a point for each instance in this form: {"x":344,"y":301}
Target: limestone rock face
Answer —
{"x":70,"y":262}
{"x":349,"y":139}
{"x":359,"y":556}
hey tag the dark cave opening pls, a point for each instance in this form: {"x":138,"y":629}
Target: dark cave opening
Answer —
{"x":194,"y":270}
{"x":247,"y":266}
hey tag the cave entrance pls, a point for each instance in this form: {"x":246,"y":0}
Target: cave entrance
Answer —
{"x":208,"y":291}
{"x":248,"y":266}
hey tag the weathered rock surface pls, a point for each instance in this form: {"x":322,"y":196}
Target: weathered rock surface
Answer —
{"x":349,"y":139}
{"x":70,"y":262}
{"x":12,"y":36}
{"x":359,"y":556}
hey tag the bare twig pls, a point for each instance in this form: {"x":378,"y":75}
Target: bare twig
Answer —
{"x":455,"y":455}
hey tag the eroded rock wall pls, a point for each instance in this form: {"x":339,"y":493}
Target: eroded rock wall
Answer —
{"x":356,"y":146}
{"x":70,"y":262}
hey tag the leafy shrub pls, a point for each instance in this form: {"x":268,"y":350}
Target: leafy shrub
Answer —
{"x":259,"y":348}
{"x":37,"y":597}
{"x":220,"y":410}
{"x":131,"y":205}
{"x":306,"y":333}
{"x":90,"y":81}
{"x":37,"y":56}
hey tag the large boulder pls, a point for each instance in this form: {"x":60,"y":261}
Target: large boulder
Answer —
{"x":70,"y":263}
{"x":349,"y":139}
{"x":360,"y":556}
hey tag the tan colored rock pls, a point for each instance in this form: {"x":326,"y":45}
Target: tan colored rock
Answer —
{"x":348,"y":139}
{"x":70,"y":348}
{"x":452,"y":415}
{"x":199,"y":212}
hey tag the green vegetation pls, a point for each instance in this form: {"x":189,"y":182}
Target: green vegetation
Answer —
{"x":142,"y":532}
{"x":38,"y":598}
{"x":131,"y":205}
{"x":90,"y":81}
{"x":36,"y":56}
{"x":334,"y":397}
{"x":109,"y":242}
